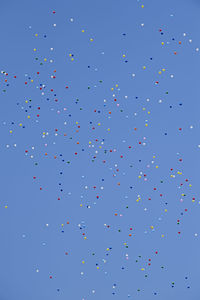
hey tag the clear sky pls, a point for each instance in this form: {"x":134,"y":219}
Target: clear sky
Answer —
{"x":100,"y":150}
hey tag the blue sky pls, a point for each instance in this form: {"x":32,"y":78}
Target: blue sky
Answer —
{"x":99,"y":150}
